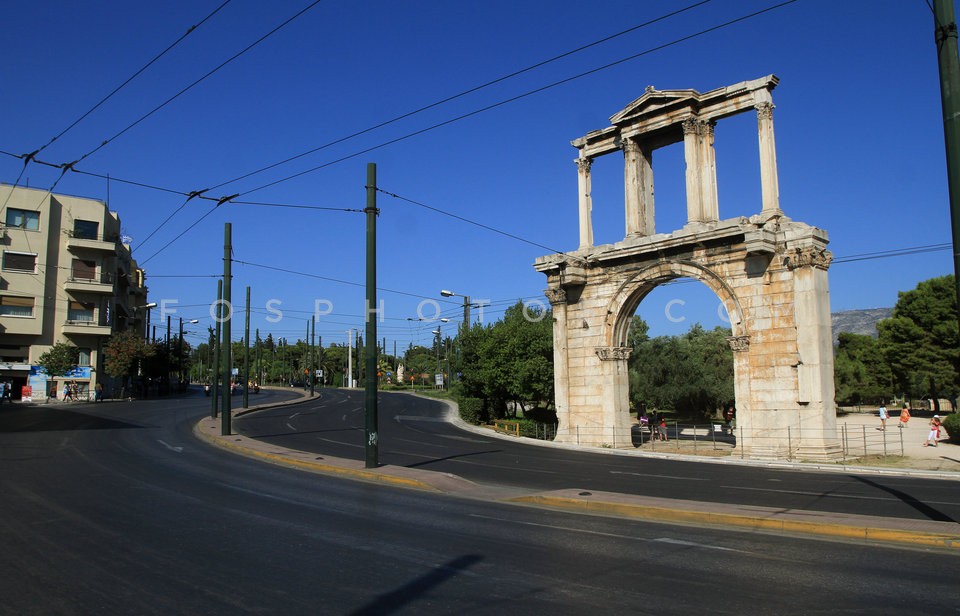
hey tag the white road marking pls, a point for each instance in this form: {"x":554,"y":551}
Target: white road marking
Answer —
{"x":170,"y":447}
{"x":661,"y":476}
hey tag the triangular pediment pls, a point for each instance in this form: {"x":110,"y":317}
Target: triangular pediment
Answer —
{"x":654,"y":101}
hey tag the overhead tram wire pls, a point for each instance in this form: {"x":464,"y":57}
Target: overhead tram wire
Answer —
{"x":132,"y":77}
{"x":441,"y":124}
{"x":475,"y":112}
{"x":463,"y":93}
{"x":196,"y":82}
{"x":523,"y":95}
{"x":319,"y":277}
{"x":468,"y":221}
{"x":31,"y":156}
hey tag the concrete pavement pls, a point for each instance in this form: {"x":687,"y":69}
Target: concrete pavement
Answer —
{"x":926,"y":533}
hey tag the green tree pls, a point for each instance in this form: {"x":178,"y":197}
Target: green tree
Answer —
{"x":921,"y":341}
{"x":60,"y":359}
{"x":123,"y":353}
{"x":510,"y":360}
{"x":691,"y":374}
{"x":861,"y":372}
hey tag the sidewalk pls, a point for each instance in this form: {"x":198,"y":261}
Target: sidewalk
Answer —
{"x":944,"y":457}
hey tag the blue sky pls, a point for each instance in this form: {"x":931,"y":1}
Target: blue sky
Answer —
{"x":858,"y":129}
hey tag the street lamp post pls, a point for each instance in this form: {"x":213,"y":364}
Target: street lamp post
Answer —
{"x":180,"y":353}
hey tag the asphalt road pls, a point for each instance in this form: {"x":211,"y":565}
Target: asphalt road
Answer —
{"x":412,"y":433}
{"x":119,"y":509}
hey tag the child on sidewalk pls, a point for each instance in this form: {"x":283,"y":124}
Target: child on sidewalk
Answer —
{"x":934,"y":434}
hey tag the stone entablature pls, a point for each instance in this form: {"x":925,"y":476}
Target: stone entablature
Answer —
{"x":769,"y":272}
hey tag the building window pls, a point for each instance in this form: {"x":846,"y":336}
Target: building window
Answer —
{"x":83,"y":358}
{"x":86,"y":229}
{"x":81,"y":312}
{"x":19,"y":261}
{"x":12,"y":306}
{"x":84,"y":270}
{"x":25,"y":219}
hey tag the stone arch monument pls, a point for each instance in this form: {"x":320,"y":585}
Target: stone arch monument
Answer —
{"x":769,"y":271}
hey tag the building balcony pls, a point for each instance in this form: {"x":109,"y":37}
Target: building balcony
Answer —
{"x":104,"y":243}
{"x":102,"y":285}
{"x":82,"y":326}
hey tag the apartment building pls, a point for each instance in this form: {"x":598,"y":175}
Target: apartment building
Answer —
{"x":66,"y":275}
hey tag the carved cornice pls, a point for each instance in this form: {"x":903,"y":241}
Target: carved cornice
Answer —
{"x":556,"y":296}
{"x":807,"y":256}
{"x":614,"y":353}
{"x":739,"y":344}
{"x":583,"y":164}
{"x":765,"y":111}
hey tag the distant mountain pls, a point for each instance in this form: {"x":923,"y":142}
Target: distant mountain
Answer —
{"x":858,"y":321}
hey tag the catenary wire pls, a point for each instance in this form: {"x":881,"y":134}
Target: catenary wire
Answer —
{"x":466,"y":92}
{"x":131,"y":78}
{"x":458,"y":118}
{"x":520,"y":96}
{"x":198,"y":81}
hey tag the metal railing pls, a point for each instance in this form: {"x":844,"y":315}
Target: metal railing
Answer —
{"x":104,"y":278}
{"x":848,"y":442}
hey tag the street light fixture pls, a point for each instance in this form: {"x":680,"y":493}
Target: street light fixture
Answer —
{"x":466,"y":306}
{"x":146,"y":325}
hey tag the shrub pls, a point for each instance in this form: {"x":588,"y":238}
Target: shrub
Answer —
{"x":471,"y":409}
{"x":951,"y":424}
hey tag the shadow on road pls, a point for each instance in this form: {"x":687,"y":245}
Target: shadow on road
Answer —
{"x":44,"y":419}
{"x":397,"y":600}
{"x":920,"y":506}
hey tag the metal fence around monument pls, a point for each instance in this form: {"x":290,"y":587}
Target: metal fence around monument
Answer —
{"x":718,"y":439}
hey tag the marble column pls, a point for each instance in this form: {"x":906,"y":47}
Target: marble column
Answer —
{"x":769,"y":185}
{"x":638,"y":188}
{"x":561,"y":373}
{"x":585,"y":202}
{"x":708,"y":172}
{"x":691,"y":155}
{"x":615,"y":396}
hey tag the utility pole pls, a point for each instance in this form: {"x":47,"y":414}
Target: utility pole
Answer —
{"x":246,"y":353}
{"x":370,"y":397}
{"x":225,"y":346}
{"x":214,"y":369}
{"x":945,"y":35}
{"x":349,"y":358}
{"x":166,"y":376}
{"x":313,"y":356}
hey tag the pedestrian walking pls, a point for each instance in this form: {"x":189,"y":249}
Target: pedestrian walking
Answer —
{"x":904,"y":416}
{"x":98,"y":393}
{"x":883,"y":417}
{"x":662,"y":429}
{"x":934,"y":434}
{"x":3,"y":391}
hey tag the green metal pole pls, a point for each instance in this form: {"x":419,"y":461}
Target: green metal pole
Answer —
{"x":945,"y":34}
{"x":225,"y":346}
{"x":246,"y":353}
{"x":180,"y":385}
{"x":214,"y":387}
{"x":370,"y":397}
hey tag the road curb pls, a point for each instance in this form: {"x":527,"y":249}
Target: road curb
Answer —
{"x":206,"y":429}
{"x":886,"y":530}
